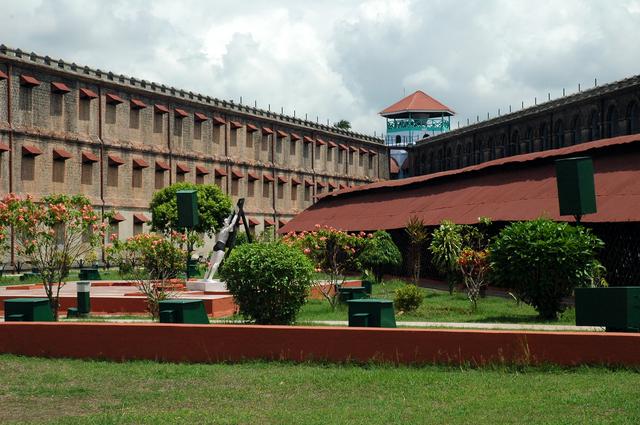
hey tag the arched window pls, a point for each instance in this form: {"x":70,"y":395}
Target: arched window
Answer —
{"x":611,"y":126}
{"x":558,"y":137}
{"x":398,"y":139}
{"x":575,"y":136}
{"x":528,"y":140}
{"x":594,"y":126}
{"x":633,"y":118}
{"x":514,"y":144}
{"x":544,"y":137}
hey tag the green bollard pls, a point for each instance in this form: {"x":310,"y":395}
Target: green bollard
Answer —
{"x":84,"y":298}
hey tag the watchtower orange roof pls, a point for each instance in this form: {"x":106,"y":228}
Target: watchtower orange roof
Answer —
{"x":418,"y":101}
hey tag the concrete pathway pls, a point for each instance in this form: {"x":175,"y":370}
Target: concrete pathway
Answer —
{"x":475,"y":325}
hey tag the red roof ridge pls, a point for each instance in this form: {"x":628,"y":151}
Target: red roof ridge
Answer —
{"x":417,"y":101}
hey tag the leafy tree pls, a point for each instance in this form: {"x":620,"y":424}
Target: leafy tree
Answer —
{"x":543,"y":261}
{"x":52,"y":235}
{"x":417,"y":233}
{"x":151,"y":260}
{"x":343,"y":125}
{"x":269,"y":281}
{"x":380,"y":252}
{"x":446,"y":246}
{"x":213,"y":207}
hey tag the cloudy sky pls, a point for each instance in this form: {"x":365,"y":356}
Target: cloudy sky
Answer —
{"x":342,"y":59}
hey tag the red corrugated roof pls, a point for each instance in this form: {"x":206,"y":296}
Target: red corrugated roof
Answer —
{"x":182,"y":168}
{"x":117,"y":217}
{"x":138,"y":104}
{"x":31,"y":150}
{"x":199,"y":117}
{"x":267,"y":177}
{"x":140,"y":163}
{"x":180,"y":113}
{"x":140,"y":218}
{"x":418,"y":101}
{"x":219,"y":121}
{"x":522,"y":187}
{"x":4,"y":147}
{"x":252,"y":176}
{"x":3,"y":76}
{"x":88,"y":156}
{"x":201,"y":170}
{"x":160,"y":109}
{"x":87,"y":94}
{"x":61,"y":88}
{"x":161,"y":165}
{"x":281,"y":134}
{"x":266,"y":131}
{"x":113,"y":99}
{"x":29,"y":81}
{"x":115,"y":160}
{"x":220,"y":172}
{"x":251,"y":128}
{"x":59,"y":153}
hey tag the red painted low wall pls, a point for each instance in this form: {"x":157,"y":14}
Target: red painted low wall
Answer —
{"x":212,"y":343}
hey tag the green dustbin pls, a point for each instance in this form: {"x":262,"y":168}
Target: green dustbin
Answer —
{"x":615,"y":308}
{"x":183,"y":311}
{"x":89,"y":273}
{"x":352,"y":293}
{"x":192,"y":268}
{"x":380,"y":313}
{"x":367,"y":285}
{"x":27,"y":310}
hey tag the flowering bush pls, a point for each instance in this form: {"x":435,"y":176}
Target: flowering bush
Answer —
{"x":52,"y":235}
{"x":333,"y":252}
{"x":474,"y":266}
{"x":151,"y":260}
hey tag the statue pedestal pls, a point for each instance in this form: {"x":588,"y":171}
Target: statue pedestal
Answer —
{"x":208,"y":285}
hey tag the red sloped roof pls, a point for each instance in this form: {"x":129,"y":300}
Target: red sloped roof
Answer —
{"x":418,"y":101}
{"x":522,"y":187}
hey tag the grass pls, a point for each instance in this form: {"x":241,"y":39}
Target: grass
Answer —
{"x":439,"y":306}
{"x":45,"y":391}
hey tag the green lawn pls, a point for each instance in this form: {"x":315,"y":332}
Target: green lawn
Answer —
{"x":44,"y":391}
{"x":439,"y":306}
{"x":73,"y":276}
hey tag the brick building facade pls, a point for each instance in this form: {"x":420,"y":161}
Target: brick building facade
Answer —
{"x":72,"y":129}
{"x":605,"y":111}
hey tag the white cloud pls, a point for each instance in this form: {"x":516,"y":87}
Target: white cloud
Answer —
{"x":337,"y":59}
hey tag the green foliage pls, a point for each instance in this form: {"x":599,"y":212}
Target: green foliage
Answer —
{"x":269,"y":281}
{"x":446,"y":246}
{"x":543,"y":261}
{"x":213,"y":207}
{"x":241,"y":239}
{"x":380,"y":252}
{"x":408,"y":298}
{"x":343,"y":124}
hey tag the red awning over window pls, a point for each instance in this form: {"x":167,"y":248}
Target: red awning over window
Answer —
{"x":235,"y":174}
{"x":353,"y":149}
{"x":220,"y":172}
{"x":59,"y":153}
{"x":113,"y":99}
{"x":364,"y":151}
{"x":294,"y":136}
{"x":308,"y":139}
{"x":332,"y":145}
{"x":140,"y":218}
{"x":218,"y":121}
{"x":372,"y":152}
{"x":115,"y":160}
{"x":282,"y":180}
{"x":251,"y":128}
{"x":201,"y":170}
{"x":29,"y":81}
{"x":160,"y":109}
{"x":308,"y":183}
{"x":333,"y":185}
{"x":30,"y":150}
{"x":320,"y":142}
{"x":253,"y":222}
{"x":343,"y":186}
{"x":269,"y":222}
{"x":161,"y":165}
{"x":89,"y":157}
{"x":140,"y":163}
{"x":343,"y":147}
{"x":235,"y":125}
{"x":88,"y":94}
{"x":282,"y":222}
{"x":281,"y":134}
{"x":60,"y":88}
{"x":252,"y":176}
{"x":199,"y":117}
{"x":137,"y":104}
{"x":267,"y":131}
{"x":182,"y":168}
{"x":4,"y":147}
{"x":321,"y":184}
{"x":3,"y":76}
{"x":180,"y":113}
{"x":267,"y":177}
{"x":295,"y":181}
{"x":117,"y":218}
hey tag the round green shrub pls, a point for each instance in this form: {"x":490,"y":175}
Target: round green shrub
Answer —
{"x":379,"y":253}
{"x":408,"y":298}
{"x":543,"y":261}
{"x":269,"y":281}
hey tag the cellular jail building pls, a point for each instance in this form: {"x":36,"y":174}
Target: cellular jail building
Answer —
{"x":66,"y":128}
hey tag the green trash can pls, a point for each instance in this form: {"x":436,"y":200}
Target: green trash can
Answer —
{"x":380,"y":312}
{"x":192,"y":268}
{"x":89,"y":273}
{"x":27,"y":310}
{"x":183,"y":311}
{"x":367,"y":285}
{"x":616,"y":308}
